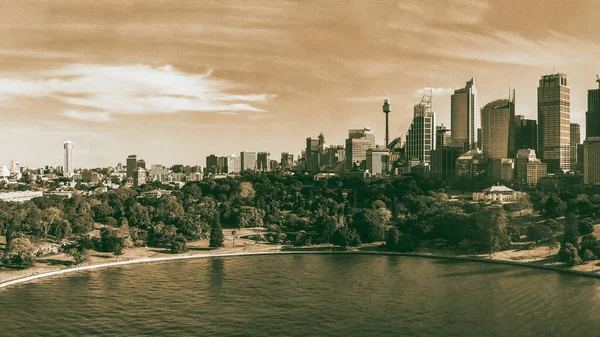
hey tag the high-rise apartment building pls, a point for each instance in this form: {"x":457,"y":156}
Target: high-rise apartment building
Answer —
{"x":421,"y":135}
{"x":248,"y":160}
{"x":211,"y":164}
{"x":139,"y":176}
{"x":141,"y":163}
{"x":463,"y":107}
{"x":498,"y":127}
{"x":575,"y":138}
{"x":131,"y":165}
{"x":69,"y":168}
{"x":554,"y":119}
{"x":592,"y":116}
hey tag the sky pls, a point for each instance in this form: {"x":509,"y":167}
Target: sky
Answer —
{"x":175,"y":81}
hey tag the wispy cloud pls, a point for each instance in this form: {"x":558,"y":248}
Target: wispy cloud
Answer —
{"x":90,"y":116}
{"x":134,"y":89}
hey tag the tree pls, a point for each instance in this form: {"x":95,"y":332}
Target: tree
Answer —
{"x":178,"y":244}
{"x":368,"y":226}
{"x":79,"y":249}
{"x":591,"y":243}
{"x":393,"y":237}
{"x":346,"y":237}
{"x":193,"y":228}
{"x":588,"y":255}
{"x":161,"y":234}
{"x":571,"y":233}
{"x":585,"y":227}
{"x":407,"y":243}
{"x":326,"y":226}
{"x":568,"y":254}
{"x":489,"y":232}
{"x":554,"y":207}
{"x":19,"y":252}
{"x":249,"y":217}
{"x":538,"y":233}
{"x":246,"y":190}
{"x":216,"y":236}
{"x":60,"y":229}
{"x":110,"y":239}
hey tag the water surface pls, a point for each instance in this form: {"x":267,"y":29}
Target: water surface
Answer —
{"x":305,"y":295}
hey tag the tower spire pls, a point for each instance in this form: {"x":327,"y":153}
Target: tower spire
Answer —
{"x":386,"y":110}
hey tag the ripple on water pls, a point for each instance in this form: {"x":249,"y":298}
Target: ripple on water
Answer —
{"x":304,"y":295}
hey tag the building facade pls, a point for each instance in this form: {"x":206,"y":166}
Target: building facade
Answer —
{"x":498,"y":128}
{"x":69,"y":168}
{"x":357,"y":144}
{"x":234,"y":164}
{"x":525,"y":133}
{"x":443,"y":162}
{"x":528,"y":168}
{"x":575,"y":138}
{"x":591,"y":161}
{"x":263,"y":162}
{"x":131,"y":165}
{"x":248,"y":160}
{"x":463,"y":107}
{"x":554,"y":122}
{"x":378,"y":161}
{"x":312,"y":157}
{"x":421,"y":135}
{"x":592,"y":116}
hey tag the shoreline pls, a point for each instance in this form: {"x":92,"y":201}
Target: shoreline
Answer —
{"x":316,"y":252}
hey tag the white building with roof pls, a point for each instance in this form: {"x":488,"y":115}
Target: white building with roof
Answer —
{"x":498,"y":193}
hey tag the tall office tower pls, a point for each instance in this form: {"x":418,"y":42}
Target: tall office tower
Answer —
{"x":221,"y":165}
{"x":528,"y":169}
{"x":131,"y":165}
{"x":479,"y":143}
{"x":139,"y":176}
{"x":387,"y":108}
{"x":443,"y":136}
{"x":287,"y":160}
{"x":141,"y":163}
{"x":234,"y":164}
{"x":591,"y":161}
{"x":357,"y":144}
{"x":592,"y":116}
{"x":498,"y":127}
{"x":322,"y":149}
{"x":263,"y":161}
{"x":248,"y":160}
{"x":525,"y":133}
{"x":312,"y":157}
{"x":421,"y":136}
{"x":554,"y":119}
{"x":15,"y":167}
{"x":378,"y":160}
{"x":575,"y":138}
{"x":463,"y":105}
{"x":211,"y":164}
{"x":69,"y":168}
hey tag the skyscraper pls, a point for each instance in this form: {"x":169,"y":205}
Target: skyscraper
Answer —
{"x":421,"y":136}
{"x":141,"y":163}
{"x":528,"y":169}
{"x":287,"y":160}
{"x":525,"y":133}
{"x":248,"y":160}
{"x":377,"y":160}
{"x":69,"y":168}
{"x":131,"y":165}
{"x":591,"y":160}
{"x":357,"y":144}
{"x":498,"y":127}
{"x":15,"y":167}
{"x":312,"y":155}
{"x":263,"y":161}
{"x":211,"y":163}
{"x":463,"y":105}
{"x":575,"y":138}
{"x":554,"y":119}
{"x":233,"y":164}
{"x":443,"y":136}
{"x":592,"y":116}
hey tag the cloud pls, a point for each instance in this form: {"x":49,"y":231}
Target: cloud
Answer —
{"x":132,"y":89}
{"x":90,"y":116}
{"x":365,"y":99}
{"x":434,"y":91}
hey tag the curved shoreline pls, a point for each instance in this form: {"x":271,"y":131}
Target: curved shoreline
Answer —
{"x":197,"y":256}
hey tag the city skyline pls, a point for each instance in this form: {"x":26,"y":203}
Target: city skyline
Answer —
{"x":218,"y":83}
